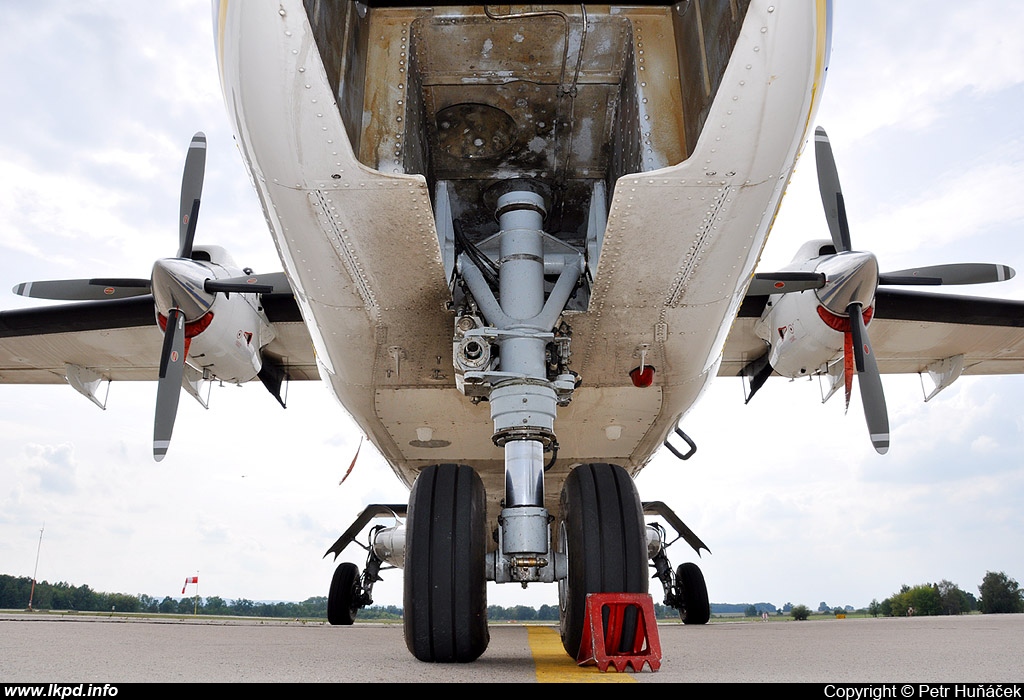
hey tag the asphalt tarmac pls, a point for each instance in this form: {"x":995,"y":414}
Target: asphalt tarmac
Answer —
{"x":75,"y":648}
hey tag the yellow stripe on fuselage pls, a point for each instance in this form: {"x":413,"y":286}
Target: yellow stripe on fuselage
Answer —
{"x":823,"y":48}
{"x":218,"y":35}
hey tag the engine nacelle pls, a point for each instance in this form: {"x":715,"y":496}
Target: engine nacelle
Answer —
{"x":801,"y":342}
{"x":806,"y":330}
{"x":229,"y":348}
{"x":224,"y":332}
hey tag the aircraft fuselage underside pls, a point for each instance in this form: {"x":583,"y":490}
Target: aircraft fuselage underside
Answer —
{"x":491,"y":215}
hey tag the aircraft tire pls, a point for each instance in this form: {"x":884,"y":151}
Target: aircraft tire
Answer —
{"x":601,"y":530}
{"x":341,"y":605}
{"x":696,"y":608}
{"x":445,"y":582}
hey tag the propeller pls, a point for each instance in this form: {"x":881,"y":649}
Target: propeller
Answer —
{"x":172,"y":290}
{"x":845,"y":285}
{"x":182,"y":291}
{"x":857,"y":341}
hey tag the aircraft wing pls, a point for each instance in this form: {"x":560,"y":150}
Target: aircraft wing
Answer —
{"x":120,"y":340}
{"x":912,"y":330}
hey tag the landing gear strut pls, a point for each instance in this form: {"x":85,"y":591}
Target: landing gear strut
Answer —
{"x":507,"y":350}
{"x":351,"y":590}
{"x":685,"y":589}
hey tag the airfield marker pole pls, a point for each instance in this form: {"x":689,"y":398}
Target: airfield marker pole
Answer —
{"x":35,"y":571}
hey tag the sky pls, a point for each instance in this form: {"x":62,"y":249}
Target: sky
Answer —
{"x":922,"y":104}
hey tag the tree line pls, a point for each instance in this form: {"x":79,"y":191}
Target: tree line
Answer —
{"x":15,"y":593}
{"x":999,"y":594}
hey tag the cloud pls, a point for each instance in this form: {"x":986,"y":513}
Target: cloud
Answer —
{"x":965,"y":205}
{"x":912,"y":61}
{"x":54,"y":466}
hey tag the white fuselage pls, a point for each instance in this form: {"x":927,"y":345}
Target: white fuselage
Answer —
{"x":356,"y":226}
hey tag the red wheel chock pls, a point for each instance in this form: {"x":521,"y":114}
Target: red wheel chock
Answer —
{"x":602,"y":650}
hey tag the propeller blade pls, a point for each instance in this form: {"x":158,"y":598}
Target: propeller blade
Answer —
{"x":240,"y":287}
{"x":831,"y":194}
{"x":894,"y":278}
{"x":83,"y":290}
{"x":270,"y":283}
{"x":956,"y":273}
{"x":875,"y":412}
{"x":781,"y":282}
{"x":191,"y":193}
{"x":168,"y":390}
{"x":136,"y":282}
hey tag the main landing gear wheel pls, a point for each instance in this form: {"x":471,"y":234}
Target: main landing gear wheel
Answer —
{"x":696,"y":609}
{"x":601,"y":531}
{"x":445,"y":582}
{"x":341,"y":601}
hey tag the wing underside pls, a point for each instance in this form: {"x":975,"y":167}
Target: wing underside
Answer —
{"x":912,"y":330}
{"x":120,"y":340}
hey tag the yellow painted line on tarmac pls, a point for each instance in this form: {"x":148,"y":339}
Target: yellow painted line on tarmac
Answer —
{"x":555,"y":666}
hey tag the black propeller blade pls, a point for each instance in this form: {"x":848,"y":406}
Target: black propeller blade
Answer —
{"x":172,"y":367}
{"x":270,"y":283}
{"x":831,"y":193}
{"x":870,"y":380}
{"x":781,"y":282}
{"x":957,"y":273}
{"x":83,"y":290}
{"x":191,"y":193}
{"x":226,"y":287}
